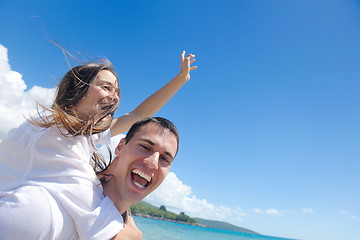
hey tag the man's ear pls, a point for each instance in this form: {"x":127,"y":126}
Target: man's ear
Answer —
{"x":119,"y":146}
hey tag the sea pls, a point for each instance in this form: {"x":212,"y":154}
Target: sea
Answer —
{"x":161,"y":230}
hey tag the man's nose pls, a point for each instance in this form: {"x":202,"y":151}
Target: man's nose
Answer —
{"x":152,"y":161}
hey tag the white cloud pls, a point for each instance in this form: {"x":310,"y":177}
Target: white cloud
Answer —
{"x":178,"y":197}
{"x":349,"y":214}
{"x":273,"y":212}
{"x":258,"y":211}
{"x":15,"y":101}
{"x":344,"y":212}
{"x":307,"y":210}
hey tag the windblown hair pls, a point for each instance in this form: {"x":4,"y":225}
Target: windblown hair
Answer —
{"x":70,"y":91}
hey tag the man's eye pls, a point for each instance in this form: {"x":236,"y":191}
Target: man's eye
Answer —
{"x":144,"y":147}
{"x":165,"y":159}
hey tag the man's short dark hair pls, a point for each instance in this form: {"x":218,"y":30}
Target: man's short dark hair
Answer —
{"x":163,"y":122}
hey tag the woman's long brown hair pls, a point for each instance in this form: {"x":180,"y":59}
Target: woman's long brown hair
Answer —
{"x":70,"y":91}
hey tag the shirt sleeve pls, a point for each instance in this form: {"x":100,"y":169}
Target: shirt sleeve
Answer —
{"x":102,"y":138}
{"x":102,"y":223}
{"x":15,"y":158}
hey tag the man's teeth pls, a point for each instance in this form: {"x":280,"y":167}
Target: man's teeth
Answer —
{"x":139,"y":185}
{"x":142,"y":174}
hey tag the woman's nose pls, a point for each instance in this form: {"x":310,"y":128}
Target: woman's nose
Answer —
{"x":152,"y":161}
{"x":114,"y":96}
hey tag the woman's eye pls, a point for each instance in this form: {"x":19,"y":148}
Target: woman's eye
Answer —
{"x":105,"y":87}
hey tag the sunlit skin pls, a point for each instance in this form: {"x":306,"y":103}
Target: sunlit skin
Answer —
{"x":103,"y":90}
{"x":151,"y":151}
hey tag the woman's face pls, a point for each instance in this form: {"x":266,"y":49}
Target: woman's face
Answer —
{"x":102,"y":92}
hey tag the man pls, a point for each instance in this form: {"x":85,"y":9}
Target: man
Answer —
{"x":143,"y":159}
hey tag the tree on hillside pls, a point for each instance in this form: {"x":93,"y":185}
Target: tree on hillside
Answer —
{"x":182,"y":217}
{"x":163,"y":208}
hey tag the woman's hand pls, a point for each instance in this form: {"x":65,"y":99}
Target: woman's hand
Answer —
{"x":185,"y":64}
{"x":130,"y":231}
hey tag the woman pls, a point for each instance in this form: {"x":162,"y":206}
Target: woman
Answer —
{"x":49,"y":156}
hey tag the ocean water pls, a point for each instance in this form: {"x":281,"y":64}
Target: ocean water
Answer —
{"x":162,"y":230}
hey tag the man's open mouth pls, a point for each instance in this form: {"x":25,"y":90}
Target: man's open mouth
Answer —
{"x":140,"y":178}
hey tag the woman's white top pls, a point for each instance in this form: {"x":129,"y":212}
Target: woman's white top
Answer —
{"x":48,"y":189}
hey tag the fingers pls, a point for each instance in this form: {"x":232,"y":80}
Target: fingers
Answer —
{"x":189,"y":56}
{"x":182,"y":57}
{"x":193,"y":68}
{"x":188,"y":60}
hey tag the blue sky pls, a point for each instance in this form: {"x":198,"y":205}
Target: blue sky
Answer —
{"x":269,"y":121}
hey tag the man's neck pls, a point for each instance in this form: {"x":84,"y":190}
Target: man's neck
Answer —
{"x":121,"y":205}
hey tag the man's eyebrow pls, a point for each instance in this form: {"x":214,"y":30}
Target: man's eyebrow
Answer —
{"x":153,"y":144}
{"x":147,"y":140}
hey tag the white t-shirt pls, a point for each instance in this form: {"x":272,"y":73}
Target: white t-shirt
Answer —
{"x":46,"y":179}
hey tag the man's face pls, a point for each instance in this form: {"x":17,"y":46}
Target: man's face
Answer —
{"x":143,"y":163}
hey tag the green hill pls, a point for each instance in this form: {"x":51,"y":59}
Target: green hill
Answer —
{"x":144,"y":209}
{"x":223,"y":225}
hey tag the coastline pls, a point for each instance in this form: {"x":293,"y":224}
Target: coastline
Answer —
{"x":169,"y":220}
{"x":146,"y":210}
